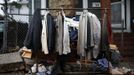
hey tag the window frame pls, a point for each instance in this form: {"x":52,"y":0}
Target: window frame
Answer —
{"x":119,"y":26}
{"x":85,"y":5}
{"x":115,"y":25}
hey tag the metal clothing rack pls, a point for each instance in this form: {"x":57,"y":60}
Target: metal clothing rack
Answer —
{"x":65,"y":9}
{"x":105,"y":12}
{"x":75,"y":9}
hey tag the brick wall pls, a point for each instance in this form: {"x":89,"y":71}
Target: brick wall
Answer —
{"x":64,"y":4}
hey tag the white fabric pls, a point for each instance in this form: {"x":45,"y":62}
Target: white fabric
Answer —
{"x":41,"y":68}
{"x":33,"y":68}
{"x":66,"y":39}
{"x":72,"y":23}
{"x":96,"y":35}
{"x":95,"y":31}
{"x":95,"y":26}
{"x":82,"y":35}
{"x":62,"y":35}
{"x":59,"y":34}
{"x":44,"y":35}
{"x":91,"y":28}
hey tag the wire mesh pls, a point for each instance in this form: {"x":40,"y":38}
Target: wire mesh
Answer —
{"x":16,"y":33}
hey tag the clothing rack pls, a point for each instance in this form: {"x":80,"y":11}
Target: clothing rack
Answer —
{"x":105,"y":12}
{"x":75,"y":9}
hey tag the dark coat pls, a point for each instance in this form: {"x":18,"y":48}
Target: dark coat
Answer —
{"x":33,"y":37}
{"x":51,"y":32}
{"x":88,"y":34}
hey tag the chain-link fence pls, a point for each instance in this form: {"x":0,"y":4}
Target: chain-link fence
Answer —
{"x":16,"y":33}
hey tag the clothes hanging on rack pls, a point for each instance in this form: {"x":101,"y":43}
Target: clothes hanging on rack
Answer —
{"x":82,"y":38}
{"x":51,"y":32}
{"x":72,"y":23}
{"x":73,"y":33}
{"x":104,"y":46}
{"x":41,"y":33}
{"x":44,"y":35}
{"x":48,"y":34}
{"x":89,"y":35}
{"x":73,"y":28}
{"x":62,"y":35}
{"x":96,"y":35}
{"x":33,"y":37}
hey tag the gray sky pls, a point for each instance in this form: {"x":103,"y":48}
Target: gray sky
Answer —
{"x":2,"y":1}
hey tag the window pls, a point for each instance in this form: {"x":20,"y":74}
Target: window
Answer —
{"x":37,"y":4}
{"x":79,"y":4}
{"x":116,"y":13}
{"x":47,"y":3}
{"x":95,"y":4}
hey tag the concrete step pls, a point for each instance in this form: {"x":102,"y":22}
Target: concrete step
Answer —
{"x":8,"y":58}
{"x":14,"y":73}
{"x":78,"y":73}
{"x":11,"y":62}
{"x":82,"y":73}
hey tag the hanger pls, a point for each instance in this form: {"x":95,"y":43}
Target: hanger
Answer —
{"x":61,"y":9}
{"x":85,"y":11}
{"x":62,"y":12}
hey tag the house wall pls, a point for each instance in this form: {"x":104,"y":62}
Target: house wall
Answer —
{"x":24,"y":10}
{"x":132,"y":14}
{"x":127,"y":15}
{"x":37,"y":4}
{"x":62,"y":4}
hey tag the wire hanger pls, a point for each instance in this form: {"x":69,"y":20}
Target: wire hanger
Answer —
{"x":62,"y":11}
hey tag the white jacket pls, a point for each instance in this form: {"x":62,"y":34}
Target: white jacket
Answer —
{"x":82,"y":35}
{"x":44,"y":35}
{"x":66,"y":38}
{"x":95,"y":32}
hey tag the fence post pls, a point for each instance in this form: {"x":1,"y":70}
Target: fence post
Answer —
{"x":4,"y":48}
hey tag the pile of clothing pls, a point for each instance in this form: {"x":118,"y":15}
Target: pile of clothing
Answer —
{"x":121,"y":71}
{"x":41,"y":69}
